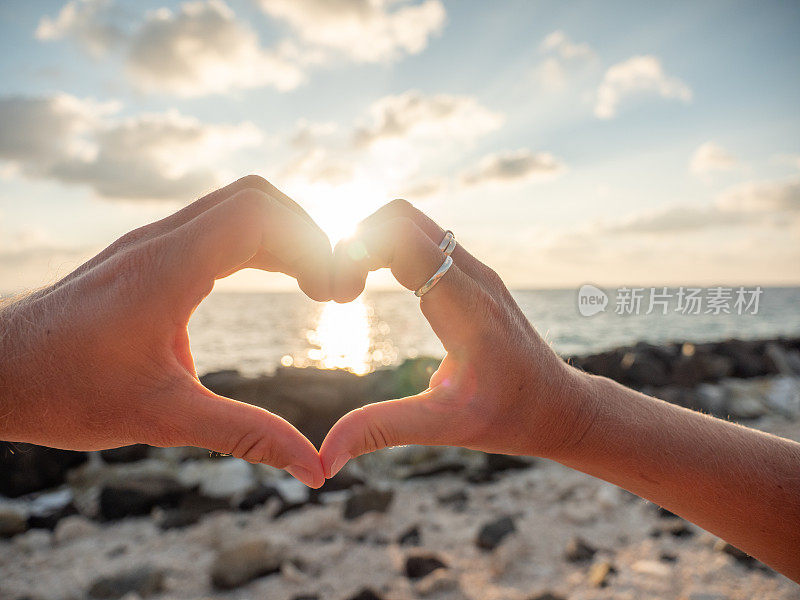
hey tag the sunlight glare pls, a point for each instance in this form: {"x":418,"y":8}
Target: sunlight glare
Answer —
{"x":341,"y":339}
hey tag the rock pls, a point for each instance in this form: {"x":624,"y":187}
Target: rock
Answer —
{"x":193,"y":506}
{"x":221,"y":478}
{"x":547,"y":595}
{"x":492,"y":534}
{"x":746,"y":407}
{"x":420,"y":565}
{"x":343,"y":480}
{"x":435,"y":469}
{"x":411,"y":537}
{"x":143,"y":581}
{"x":677,"y":528}
{"x":243,"y":562}
{"x":292,"y":491}
{"x":72,"y":528}
{"x":578,"y":550}
{"x":13,"y":520}
{"x":600,"y":573}
{"x":27,"y":468}
{"x":741,"y":557}
{"x":651,"y":567}
{"x":258,"y":496}
{"x":668,"y":557}
{"x":458,"y":500}
{"x":783,"y":396}
{"x":497,"y":463}
{"x":366,"y":500}
{"x":126,"y":454}
{"x":34,"y":540}
{"x":784,"y":362}
{"x":139,"y":495}
{"x":46,"y":510}
{"x":366,"y":594}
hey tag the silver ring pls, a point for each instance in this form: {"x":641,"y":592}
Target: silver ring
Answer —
{"x":448,"y":243}
{"x":426,"y":287}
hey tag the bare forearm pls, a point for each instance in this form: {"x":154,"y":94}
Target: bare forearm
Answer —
{"x":738,"y":483}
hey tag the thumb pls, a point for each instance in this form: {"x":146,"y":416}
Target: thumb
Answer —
{"x":425,"y":419}
{"x":206,"y":420}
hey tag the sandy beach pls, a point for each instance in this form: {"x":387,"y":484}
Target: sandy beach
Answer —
{"x":407,"y":523}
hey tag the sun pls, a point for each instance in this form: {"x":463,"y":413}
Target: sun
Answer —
{"x":339,"y":209}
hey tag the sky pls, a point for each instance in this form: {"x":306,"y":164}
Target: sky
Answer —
{"x":614,"y":143}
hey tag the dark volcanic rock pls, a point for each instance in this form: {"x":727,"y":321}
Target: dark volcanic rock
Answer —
{"x":366,"y":594}
{"x":410,"y":537}
{"x":48,"y":509}
{"x":237,"y":565}
{"x":191,"y":509}
{"x":126,"y":454}
{"x":144,"y":581}
{"x":367,"y":499}
{"x":138,"y":496}
{"x":547,"y":596}
{"x":12,"y":521}
{"x":458,"y":500}
{"x":497,"y":463}
{"x":579,"y":550}
{"x":420,"y":565}
{"x":26,"y":468}
{"x":493,"y":533}
{"x":259,"y":496}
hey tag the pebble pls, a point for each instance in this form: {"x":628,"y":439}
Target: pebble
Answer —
{"x":411,"y":537}
{"x":72,"y":528}
{"x":366,"y":594}
{"x":221,"y":478}
{"x":579,"y":550}
{"x":239,"y":564}
{"x":139,"y":495}
{"x":367,"y":499}
{"x":13,"y":520}
{"x":547,"y":595}
{"x":600,"y":573}
{"x":420,"y":565}
{"x":492,"y":534}
{"x":439,"y":582}
{"x":143,"y":581}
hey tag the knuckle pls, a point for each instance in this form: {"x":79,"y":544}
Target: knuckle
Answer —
{"x":400,"y":206}
{"x":377,"y":434}
{"x":253,"y":181}
{"x":254,"y":448}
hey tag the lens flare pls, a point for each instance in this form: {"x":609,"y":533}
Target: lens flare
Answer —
{"x":341,"y":339}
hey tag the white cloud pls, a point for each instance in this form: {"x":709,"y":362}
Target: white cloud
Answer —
{"x":422,"y":190}
{"x":639,"y":75}
{"x":563,"y":58}
{"x":513,"y":167}
{"x":438,"y":118}
{"x":202,"y":48}
{"x":362,"y":30}
{"x":763,"y":197}
{"x":90,"y":23}
{"x":559,"y":43}
{"x":774,"y":204}
{"x":711,"y":157}
{"x":155,"y":157}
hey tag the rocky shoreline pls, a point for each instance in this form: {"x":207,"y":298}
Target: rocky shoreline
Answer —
{"x":139,"y":522}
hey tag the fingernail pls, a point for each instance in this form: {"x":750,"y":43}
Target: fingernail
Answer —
{"x":301,"y":474}
{"x":338,"y":463}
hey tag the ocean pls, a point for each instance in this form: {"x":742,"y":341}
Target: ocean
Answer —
{"x":256,"y":332}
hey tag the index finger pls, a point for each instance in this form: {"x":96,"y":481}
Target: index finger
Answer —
{"x":250,"y":229}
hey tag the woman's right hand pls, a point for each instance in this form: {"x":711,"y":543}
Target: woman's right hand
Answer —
{"x":500,"y":388}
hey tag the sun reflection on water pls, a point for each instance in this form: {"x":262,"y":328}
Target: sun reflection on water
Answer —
{"x":341,"y":339}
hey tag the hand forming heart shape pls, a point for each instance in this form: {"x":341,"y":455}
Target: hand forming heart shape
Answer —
{"x":124,"y":315}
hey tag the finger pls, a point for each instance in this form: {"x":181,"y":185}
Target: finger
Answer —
{"x":203,"y":419}
{"x":186,"y":214}
{"x":249,"y":229}
{"x":425,"y":419}
{"x":452,"y":306}
{"x":400,"y":208}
